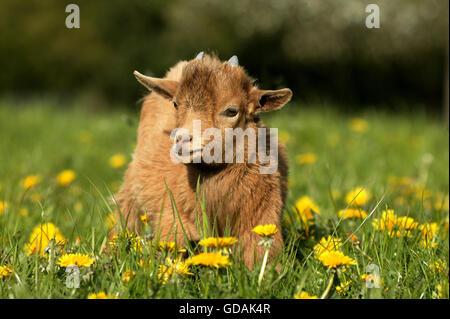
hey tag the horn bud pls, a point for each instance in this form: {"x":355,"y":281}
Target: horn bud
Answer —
{"x":233,"y":61}
{"x":200,"y":56}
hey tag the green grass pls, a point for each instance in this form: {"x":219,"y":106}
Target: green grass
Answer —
{"x":44,"y":138}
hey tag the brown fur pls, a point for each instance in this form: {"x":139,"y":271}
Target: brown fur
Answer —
{"x":235,"y":193}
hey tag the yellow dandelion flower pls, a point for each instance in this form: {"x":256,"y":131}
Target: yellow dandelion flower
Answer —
{"x":396,"y":182}
{"x":31,"y":181}
{"x":327,"y":244}
{"x":164,"y":273}
{"x":127,"y":275}
{"x":387,"y":222}
{"x":344,"y":287}
{"x":445,"y":229}
{"x":407,"y":223}
{"x":284,"y":136}
{"x":307,"y":158}
{"x":395,"y":225}
{"x":40,"y":238}
{"x":210,"y":259}
{"x":5,"y":271}
{"x":265,"y":230}
{"x":110,"y":220}
{"x":304,"y":295}
{"x":65,"y":177}
{"x":352,"y":213}
{"x":365,"y":276}
{"x":101,"y":295}
{"x":429,"y":232}
{"x":306,"y":207}
{"x":80,"y":260}
{"x":428,"y":244}
{"x":170,"y":247}
{"x":144,"y":219}
{"x":372,"y":278}
{"x":358,"y":196}
{"x":3,"y":206}
{"x":443,"y":291}
{"x":117,"y":160}
{"x":422,"y":193}
{"x":36,"y":197}
{"x":359,"y":125}
{"x":131,"y":241}
{"x":442,"y":202}
{"x":334,"y":259}
{"x":336,"y":194}
{"x":78,"y":206}
{"x":23,"y":212}
{"x":440,"y":266}
{"x":218,"y":241}
{"x":173,"y":267}
{"x":180,"y":267}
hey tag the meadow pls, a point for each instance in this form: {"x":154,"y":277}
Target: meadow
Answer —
{"x":367,"y":212}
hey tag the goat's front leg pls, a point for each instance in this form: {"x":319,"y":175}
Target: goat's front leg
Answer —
{"x":169,"y":227}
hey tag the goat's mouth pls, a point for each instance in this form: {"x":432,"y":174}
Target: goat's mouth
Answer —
{"x":189,"y":156}
{"x":196,"y":151}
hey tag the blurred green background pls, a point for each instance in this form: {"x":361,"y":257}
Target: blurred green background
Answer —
{"x":320,"y":49}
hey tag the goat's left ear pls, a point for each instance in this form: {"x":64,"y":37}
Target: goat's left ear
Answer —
{"x":163,"y":87}
{"x":269,"y":100}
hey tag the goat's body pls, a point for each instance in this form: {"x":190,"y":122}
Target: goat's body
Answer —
{"x":236,"y":194}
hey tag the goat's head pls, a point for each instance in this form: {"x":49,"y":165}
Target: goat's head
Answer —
{"x":219,"y":94}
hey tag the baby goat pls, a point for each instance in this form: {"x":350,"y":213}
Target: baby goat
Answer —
{"x":238,"y":196}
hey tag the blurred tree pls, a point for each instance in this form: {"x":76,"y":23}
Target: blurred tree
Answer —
{"x":321,"y":49}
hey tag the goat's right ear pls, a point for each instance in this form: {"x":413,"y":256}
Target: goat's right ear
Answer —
{"x":165,"y":88}
{"x":269,"y":100}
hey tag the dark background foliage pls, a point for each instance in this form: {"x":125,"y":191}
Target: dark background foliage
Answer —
{"x":320,"y":49}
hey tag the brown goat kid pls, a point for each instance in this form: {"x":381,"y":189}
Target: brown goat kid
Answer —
{"x":237,"y":195}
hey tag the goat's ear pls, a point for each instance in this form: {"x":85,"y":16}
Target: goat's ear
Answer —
{"x":269,"y":100}
{"x":165,"y":88}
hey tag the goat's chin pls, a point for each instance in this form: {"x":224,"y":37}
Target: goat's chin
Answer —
{"x":196,"y":160}
{"x":206,"y":167}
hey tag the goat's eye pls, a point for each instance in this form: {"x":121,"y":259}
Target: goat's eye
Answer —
{"x":230,"y":112}
{"x":175,"y":104}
